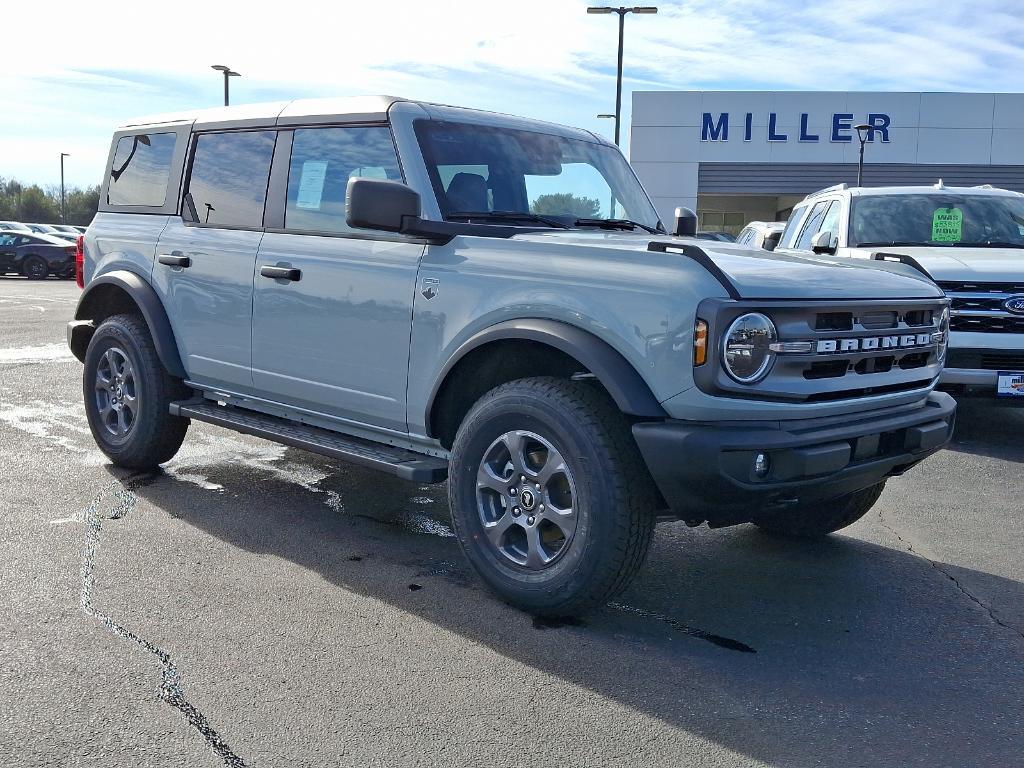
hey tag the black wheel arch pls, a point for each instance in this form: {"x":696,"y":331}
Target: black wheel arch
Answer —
{"x":616,"y":374}
{"x":119,"y":291}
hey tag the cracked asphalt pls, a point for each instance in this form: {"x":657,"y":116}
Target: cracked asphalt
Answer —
{"x":252,"y":605}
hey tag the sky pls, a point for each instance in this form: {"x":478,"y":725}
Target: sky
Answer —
{"x":95,"y":64}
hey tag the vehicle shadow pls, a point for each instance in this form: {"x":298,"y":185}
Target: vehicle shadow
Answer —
{"x":840,"y":652}
{"x":987,"y":428}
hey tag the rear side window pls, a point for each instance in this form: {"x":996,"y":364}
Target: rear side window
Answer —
{"x":228,"y":182}
{"x":322,"y":162}
{"x":141,"y":168}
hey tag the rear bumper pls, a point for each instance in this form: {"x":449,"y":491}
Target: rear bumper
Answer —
{"x":706,"y":471}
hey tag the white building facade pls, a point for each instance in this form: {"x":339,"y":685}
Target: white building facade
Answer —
{"x":737,"y":156}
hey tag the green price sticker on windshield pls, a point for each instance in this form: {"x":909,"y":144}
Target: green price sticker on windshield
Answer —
{"x":947,"y":225}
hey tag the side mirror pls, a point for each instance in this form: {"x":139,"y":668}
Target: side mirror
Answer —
{"x":771,"y":241}
{"x":822,"y":243}
{"x":377,"y":204}
{"x":686,"y":223}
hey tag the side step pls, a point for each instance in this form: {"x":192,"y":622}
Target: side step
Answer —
{"x":398,"y":461}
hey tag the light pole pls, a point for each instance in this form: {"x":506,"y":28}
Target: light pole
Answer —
{"x":228,"y":73}
{"x":862,"y":134}
{"x":63,"y":205}
{"x":622,"y":11}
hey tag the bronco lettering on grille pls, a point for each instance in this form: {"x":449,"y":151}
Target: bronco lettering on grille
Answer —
{"x":869,"y":344}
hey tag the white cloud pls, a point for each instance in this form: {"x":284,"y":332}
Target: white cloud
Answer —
{"x":543,"y":58}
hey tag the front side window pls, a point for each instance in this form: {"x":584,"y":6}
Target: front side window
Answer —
{"x":811,"y":227}
{"x":789,"y":234}
{"x":947,"y":220}
{"x":141,"y":169}
{"x":489,"y":172}
{"x":322,"y":162}
{"x":830,"y":223}
{"x":228,"y":183}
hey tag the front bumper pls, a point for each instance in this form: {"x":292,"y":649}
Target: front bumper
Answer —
{"x":705,"y":471}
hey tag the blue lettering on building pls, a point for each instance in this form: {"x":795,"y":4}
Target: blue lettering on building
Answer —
{"x":805,"y":134}
{"x":842,"y":122}
{"x":773,"y":135}
{"x":716,"y":127}
{"x":711,"y":131}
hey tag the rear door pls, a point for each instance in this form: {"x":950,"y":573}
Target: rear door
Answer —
{"x":206,"y":255}
{"x":8,"y":250}
{"x":336,"y":339}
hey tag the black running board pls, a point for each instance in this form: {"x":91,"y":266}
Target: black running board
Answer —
{"x":400,"y":462}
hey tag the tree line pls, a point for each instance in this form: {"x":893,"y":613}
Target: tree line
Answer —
{"x":19,"y":202}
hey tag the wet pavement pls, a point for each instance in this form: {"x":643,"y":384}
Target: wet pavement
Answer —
{"x":253,"y":605}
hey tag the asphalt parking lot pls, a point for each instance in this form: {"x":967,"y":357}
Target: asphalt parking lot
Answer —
{"x":252,"y":605}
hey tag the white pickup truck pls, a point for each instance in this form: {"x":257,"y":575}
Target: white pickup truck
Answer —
{"x":969,"y":240}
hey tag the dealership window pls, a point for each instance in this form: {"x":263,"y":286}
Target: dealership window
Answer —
{"x":228,"y":183}
{"x":140,"y":170}
{"x":721,"y":221}
{"x":322,"y":162}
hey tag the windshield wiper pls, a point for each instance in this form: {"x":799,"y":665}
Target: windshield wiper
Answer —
{"x":990,"y":244}
{"x":896,"y":244}
{"x":615,"y":224}
{"x":507,"y":216}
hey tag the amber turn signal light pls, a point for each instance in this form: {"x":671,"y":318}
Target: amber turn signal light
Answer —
{"x":700,"y":343}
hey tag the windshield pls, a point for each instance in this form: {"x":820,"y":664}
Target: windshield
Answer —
{"x":542,"y":177}
{"x":950,"y":220}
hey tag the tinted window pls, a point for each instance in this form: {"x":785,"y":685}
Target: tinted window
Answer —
{"x":811,"y":227}
{"x":323,"y":160}
{"x":141,"y":168}
{"x":831,"y":221}
{"x":948,"y":219}
{"x":228,"y":184}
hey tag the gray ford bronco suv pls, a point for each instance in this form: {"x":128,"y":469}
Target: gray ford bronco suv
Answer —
{"x":442,"y":293}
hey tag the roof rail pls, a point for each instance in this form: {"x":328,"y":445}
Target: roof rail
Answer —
{"x":833,"y":188}
{"x":983,"y":186}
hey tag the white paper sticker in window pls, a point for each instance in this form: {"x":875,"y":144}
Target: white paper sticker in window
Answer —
{"x":311,"y":184}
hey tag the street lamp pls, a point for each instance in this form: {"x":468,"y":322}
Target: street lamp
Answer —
{"x":622,"y":11}
{"x":862,"y":134}
{"x":228,"y":72}
{"x":63,"y":206}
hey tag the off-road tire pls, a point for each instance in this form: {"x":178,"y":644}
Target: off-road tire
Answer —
{"x":615,"y":498}
{"x":154,"y":436}
{"x":35,"y":268}
{"x":816,"y":520}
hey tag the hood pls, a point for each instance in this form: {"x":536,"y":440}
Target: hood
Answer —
{"x":759,"y":274}
{"x":983,"y":265}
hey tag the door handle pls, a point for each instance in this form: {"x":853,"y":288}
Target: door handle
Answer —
{"x":281,"y":273}
{"x":174,"y":260}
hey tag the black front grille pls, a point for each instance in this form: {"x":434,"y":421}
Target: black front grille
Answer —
{"x":987,"y":323}
{"x":986,"y":359}
{"x":964,"y":287}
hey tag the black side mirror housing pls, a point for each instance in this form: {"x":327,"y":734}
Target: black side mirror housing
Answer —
{"x":389,"y":206}
{"x":771,"y":241}
{"x":685,"y":224}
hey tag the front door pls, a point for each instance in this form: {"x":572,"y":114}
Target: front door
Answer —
{"x":206,"y":257}
{"x":332,"y":307}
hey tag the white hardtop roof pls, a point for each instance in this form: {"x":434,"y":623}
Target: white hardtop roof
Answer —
{"x":935,"y":189}
{"x":358,"y":109}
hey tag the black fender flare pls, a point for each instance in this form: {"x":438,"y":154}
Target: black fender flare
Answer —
{"x":150,"y":307}
{"x":625,"y":385}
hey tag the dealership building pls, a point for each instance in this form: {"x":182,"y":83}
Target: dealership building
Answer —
{"x":738,"y":156}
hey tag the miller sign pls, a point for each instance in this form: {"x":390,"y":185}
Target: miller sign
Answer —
{"x":717,"y":129}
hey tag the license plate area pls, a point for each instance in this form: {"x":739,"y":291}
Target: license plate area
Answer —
{"x":1010,"y":384}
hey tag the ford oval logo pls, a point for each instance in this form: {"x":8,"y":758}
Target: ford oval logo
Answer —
{"x":1014,"y":304}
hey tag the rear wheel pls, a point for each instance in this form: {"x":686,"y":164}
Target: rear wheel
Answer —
{"x":35,"y":268}
{"x":550,"y":498}
{"x":812,"y":521}
{"x":127,"y":394}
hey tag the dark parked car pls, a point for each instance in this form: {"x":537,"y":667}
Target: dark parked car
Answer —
{"x":36,"y":256}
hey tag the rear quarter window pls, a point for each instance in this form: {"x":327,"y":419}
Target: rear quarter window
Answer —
{"x":141,"y":169}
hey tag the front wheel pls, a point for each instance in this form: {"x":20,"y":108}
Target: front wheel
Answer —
{"x":35,"y":268}
{"x":814,"y":520}
{"x":127,"y":394}
{"x":550,"y":498}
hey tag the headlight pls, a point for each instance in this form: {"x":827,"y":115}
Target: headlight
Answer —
{"x":940,"y":351}
{"x":745,"y":353}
